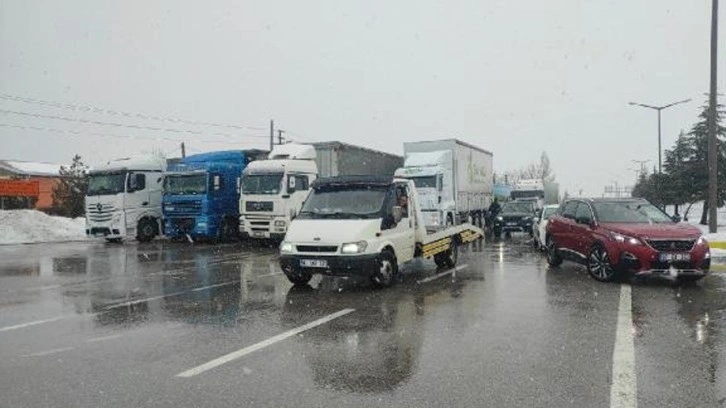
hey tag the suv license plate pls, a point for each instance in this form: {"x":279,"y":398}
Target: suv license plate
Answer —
{"x":313,"y":263}
{"x":669,"y":257}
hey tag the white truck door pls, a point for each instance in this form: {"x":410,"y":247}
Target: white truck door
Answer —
{"x":403,"y":233}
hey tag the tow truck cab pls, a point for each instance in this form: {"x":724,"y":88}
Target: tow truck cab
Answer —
{"x":361,"y":225}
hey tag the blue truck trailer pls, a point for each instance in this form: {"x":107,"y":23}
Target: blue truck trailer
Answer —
{"x":202,"y":192}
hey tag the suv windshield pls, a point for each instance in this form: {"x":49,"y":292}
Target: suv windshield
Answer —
{"x":630,"y":212}
{"x":347,"y":203}
{"x":106,"y":183}
{"x":262,"y":183}
{"x":185,"y":184}
{"x":517,"y":208}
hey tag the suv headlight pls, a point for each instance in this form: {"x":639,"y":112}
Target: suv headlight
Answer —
{"x":286,"y":247}
{"x":624,"y":239}
{"x":702,"y":241}
{"x":354,"y":247}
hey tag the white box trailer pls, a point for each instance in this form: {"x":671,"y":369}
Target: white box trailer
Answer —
{"x":454,"y":180}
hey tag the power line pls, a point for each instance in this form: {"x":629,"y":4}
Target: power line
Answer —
{"x":88,"y":108}
{"x":115,"y":124}
{"x":80,"y":133}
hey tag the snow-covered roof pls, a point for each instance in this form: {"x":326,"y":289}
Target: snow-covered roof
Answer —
{"x":26,"y":168}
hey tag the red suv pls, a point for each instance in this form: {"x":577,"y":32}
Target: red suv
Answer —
{"x":618,"y":236}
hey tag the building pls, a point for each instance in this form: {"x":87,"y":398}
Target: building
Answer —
{"x":29,"y":183}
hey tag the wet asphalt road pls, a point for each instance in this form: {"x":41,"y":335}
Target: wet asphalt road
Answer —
{"x":94,"y":325}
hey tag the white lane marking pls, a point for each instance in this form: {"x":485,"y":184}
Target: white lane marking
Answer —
{"x":148,"y":299}
{"x":624,"y":388}
{"x":104,"y":338}
{"x":29,"y":324}
{"x":251,"y":349}
{"x":48,"y":352}
{"x":444,"y":273}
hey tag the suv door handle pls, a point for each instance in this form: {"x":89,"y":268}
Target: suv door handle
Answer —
{"x":145,"y":203}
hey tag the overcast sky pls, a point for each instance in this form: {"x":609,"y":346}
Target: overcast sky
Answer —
{"x":514,"y":77}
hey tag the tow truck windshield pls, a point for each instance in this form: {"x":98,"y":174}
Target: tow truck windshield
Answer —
{"x":344,"y":203}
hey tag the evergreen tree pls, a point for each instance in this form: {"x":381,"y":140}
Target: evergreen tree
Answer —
{"x":70,"y":192}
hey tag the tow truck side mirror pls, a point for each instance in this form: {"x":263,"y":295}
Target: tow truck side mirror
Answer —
{"x":291,"y":184}
{"x":397,"y":214}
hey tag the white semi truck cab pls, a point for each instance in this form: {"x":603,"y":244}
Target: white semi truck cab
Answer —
{"x":124,"y":199}
{"x":433,"y":175}
{"x":273,"y":190}
{"x":367,"y":226}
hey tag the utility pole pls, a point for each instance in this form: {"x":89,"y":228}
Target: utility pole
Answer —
{"x":183,"y":150}
{"x":279,"y":136}
{"x":712,"y":142}
{"x":272,"y":134}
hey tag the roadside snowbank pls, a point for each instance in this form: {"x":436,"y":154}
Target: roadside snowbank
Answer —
{"x":29,"y":226}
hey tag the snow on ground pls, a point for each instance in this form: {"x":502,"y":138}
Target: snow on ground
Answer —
{"x":694,"y":216}
{"x":29,"y":226}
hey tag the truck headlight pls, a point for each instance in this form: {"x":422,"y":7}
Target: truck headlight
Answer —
{"x":354,"y":247}
{"x":280,"y":223}
{"x":500,"y":218}
{"x":286,"y":247}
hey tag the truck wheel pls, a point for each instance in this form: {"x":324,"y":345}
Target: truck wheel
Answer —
{"x":387,"y":269}
{"x":146,"y":230}
{"x":228,"y":231}
{"x":299,"y":278}
{"x":449,"y":258}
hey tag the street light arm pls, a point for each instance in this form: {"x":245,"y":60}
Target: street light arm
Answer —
{"x":675,"y":103}
{"x":643,"y":105}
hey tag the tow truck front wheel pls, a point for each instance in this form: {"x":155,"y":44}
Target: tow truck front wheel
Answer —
{"x":387,"y":268}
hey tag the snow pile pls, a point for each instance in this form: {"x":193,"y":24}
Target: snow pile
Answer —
{"x":29,"y":226}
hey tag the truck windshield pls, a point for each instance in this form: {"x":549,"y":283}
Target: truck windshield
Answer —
{"x":106,"y":183}
{"x":527,"y":194}
{"x":344,"y":203}
{"x":262,"y":183}
{"x":176,"y":184}
{"x":424,"y":182}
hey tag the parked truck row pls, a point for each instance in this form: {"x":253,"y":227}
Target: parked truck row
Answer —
{"x":219,"y":195}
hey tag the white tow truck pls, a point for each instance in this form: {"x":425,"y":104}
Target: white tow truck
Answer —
{"x":367,"y":226}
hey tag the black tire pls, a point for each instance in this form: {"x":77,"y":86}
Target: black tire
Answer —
{"x":113,"y":240}
{"x":535,"y":243}
{"x":599,"y":266}
{"x":228,"y":231}
{"x":497,"y":232}
{"x":299,"y":277}
{"x":146,"y":230}
{"x":449,"y":258}
{"x":553,"y":258}
{"x":387,"y":270}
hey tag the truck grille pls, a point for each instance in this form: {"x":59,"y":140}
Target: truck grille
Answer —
{"x":184,"y":207}
{"x":317,"y":248}
{"x":253,"y":206}
{"x":183,"y":224}
{"x":259,"y":225}
{"x":100,"y":212}
{"x":676,"y":245}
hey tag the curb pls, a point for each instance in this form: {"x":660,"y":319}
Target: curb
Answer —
{"x":717,"y":244}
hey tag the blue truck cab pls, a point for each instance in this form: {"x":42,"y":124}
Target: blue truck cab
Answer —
{"x":202,"y":192}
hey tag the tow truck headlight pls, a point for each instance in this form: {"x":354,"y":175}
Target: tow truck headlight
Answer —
{"x":286,"y":247}
{"x":624,"y":239}
{"x":354,"y":247}
{"x":280,"y":223}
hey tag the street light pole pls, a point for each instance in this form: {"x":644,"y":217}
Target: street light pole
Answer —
{"x":712,"y":115}
{"x":659,"y":109}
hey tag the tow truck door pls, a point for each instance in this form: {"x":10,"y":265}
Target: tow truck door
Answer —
{"x":402,"y":234}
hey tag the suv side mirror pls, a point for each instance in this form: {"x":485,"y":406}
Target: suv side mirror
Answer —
{"x":585,"y":221}
{"x":676,"y":218}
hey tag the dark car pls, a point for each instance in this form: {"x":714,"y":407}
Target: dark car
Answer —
{"x":613,"y":237}
{"x":515,"y":216}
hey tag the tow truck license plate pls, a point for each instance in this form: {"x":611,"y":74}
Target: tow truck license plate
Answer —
{"x":258,"y":234}
{"x":313,"y":263}
{"x":668,"y":257}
